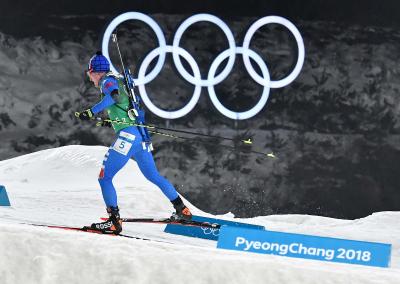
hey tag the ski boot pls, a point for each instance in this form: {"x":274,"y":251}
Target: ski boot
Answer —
{"x":112,"y":225}
{"x":182,"y":213}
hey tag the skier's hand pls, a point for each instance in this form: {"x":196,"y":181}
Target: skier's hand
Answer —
{"x":104,"y":123}
{"x":84,"y":115}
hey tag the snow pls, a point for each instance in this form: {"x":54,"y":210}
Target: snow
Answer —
{"x":59,"y":186}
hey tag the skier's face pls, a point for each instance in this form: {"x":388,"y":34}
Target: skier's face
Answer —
{"x":94,"y":77}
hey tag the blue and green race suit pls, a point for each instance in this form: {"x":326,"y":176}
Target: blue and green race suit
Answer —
{"x":116,"y":102}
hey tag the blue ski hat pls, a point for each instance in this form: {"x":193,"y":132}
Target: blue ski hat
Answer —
{"x":99,"y":63}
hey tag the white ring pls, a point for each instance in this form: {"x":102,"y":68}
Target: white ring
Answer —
{"x":265,"y":94}
{"x":155,"y":27}
{"x":231,"y":41}
{"x":197,"y":90}
{"x":300,"y":45}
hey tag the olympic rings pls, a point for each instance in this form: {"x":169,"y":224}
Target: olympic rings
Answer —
{"x":210,"y":231}
{"x":212,"y":80}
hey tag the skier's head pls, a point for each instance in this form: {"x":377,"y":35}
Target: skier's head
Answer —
{"x":99,"y":63}
{"x":97,"y":67}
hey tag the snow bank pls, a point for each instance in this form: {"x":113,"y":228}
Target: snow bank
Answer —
{"x":59,"y":186}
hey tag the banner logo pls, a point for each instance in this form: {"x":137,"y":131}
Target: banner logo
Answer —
{"x":212,"y":79}
{"x":210,"y":231}
{"x":305,"y":246}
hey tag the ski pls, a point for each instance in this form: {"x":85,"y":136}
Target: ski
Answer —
{"x":169,"y":221}
{"x":89,"y":230}
{"x":82,"y":229}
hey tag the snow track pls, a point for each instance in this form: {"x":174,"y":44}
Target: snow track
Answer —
{"x":59,"y":187}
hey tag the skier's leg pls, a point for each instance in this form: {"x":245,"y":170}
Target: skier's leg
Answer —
{"x":116,"y":157}
{"x":147,"y":166}
{"x":112,"y":163}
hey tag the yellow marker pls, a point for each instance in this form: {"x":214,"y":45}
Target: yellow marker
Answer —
{"x":271,"y":155}
{"x":248,"y":141}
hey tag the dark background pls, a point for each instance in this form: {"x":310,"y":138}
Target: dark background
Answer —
{"x":24,"y":18}
{"x":335,"y":129}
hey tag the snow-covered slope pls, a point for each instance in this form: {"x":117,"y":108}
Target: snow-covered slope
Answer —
{"x":59,"y":186}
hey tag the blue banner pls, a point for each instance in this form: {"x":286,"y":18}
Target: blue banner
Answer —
{"x":205,"y":232}
{"x":4,"y":201}
{"x":305,"y":246}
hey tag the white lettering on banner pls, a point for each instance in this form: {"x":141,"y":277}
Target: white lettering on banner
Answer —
{"x":300,"y":249}
{"x":239,"y":241}
{"x":265,"y":246}
{"x":257,"y":245}
{"x":212,"y":79}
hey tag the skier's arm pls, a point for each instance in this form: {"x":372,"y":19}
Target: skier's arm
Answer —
{"x":110,"y":89}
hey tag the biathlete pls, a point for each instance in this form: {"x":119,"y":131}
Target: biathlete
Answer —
{"x":131,"y":141}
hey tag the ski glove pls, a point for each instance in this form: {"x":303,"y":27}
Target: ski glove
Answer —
{"x":85,"y":115}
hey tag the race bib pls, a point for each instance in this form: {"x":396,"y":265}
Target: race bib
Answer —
{"x":122,"y":146}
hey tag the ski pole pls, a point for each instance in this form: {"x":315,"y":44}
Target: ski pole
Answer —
{"x":269,"y":155}
{"x":245,"y":141}
{"x":154,"y":129}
